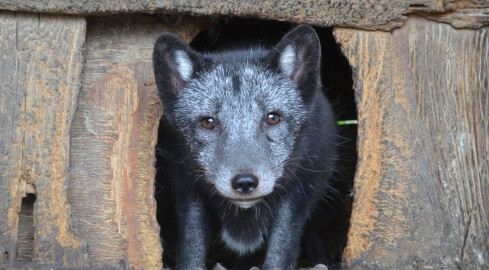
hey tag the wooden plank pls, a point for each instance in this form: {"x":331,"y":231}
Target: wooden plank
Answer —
{"x":364,"y":14}
{"x":422,"y":184}
{"x":11,"y":119}
{"x":114,"y":132}
{"x":40,"y":74}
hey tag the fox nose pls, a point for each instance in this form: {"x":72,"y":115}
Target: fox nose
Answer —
{"x":244,"y":183}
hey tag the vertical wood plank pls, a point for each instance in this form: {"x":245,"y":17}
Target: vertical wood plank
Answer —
{"x":40,"y":74}
{"x":422,"y":183}
{"x":11,"y":134}
{"x":114,"y":133}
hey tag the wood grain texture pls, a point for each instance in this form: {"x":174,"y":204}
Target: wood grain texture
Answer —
{"x":40,"y":73}
{"x":422,"y":184}
{"x":364,"y":14}
{"x":114,"y":132}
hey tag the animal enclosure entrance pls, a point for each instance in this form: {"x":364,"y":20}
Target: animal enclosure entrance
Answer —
{"x":232,"y":33}
{"x":79,"y":116}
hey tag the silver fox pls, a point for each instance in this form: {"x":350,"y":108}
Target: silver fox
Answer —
{"x":254,"y":142}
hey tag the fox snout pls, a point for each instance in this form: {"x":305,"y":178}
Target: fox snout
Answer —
{"x":245,"y":188}
{"x":244,"y":183}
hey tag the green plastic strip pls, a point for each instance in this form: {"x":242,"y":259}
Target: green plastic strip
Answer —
{"x":347,"y":122}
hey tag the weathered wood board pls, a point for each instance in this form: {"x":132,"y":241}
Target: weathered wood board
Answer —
{"x":422,"y":184}
{"x":114,"y":133}
{"x":364,"y":14}
{"x":40,"y":73}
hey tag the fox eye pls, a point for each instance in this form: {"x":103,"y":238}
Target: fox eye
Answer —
{"x":208,"y":123}
{"x":273,"y":118}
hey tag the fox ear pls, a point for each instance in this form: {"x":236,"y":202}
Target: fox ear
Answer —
{"x":299,"y":54}
{"x":174,"y":63}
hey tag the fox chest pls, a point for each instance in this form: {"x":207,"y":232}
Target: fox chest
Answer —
{"x":244,"y":233}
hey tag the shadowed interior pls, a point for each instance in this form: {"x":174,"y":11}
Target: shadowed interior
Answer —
{"x":25,"y":242}
{"x":336,"y":77}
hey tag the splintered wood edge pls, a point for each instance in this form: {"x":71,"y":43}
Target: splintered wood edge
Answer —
{"x":116,"y":127}
{"x":422,"y":150}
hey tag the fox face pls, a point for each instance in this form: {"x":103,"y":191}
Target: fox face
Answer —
{"x":241,"y":112}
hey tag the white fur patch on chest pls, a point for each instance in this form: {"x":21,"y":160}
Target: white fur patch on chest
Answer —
{"x":238,"y":246}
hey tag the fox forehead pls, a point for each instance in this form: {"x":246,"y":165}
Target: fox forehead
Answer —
{"x":240,"y":83}
{"x":246,"y":78}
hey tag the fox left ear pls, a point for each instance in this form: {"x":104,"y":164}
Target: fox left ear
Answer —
{"x":174,"y":63}
{"x":299,"y":54}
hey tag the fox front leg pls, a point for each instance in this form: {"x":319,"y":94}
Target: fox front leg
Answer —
{"x":192,"y":246}
{"x":284,"y":241}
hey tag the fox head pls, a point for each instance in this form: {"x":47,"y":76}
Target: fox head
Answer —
{"x":240,"y":112}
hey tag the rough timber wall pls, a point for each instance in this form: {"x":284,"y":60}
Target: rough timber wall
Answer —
{"x":364,"y":14}
{"x":40,"y":71}
{"x":422,"y":185}
{"x":113,"y":139}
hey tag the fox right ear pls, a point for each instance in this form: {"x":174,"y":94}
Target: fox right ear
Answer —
{"x":298,"y":56}
{"x":174,"y":63}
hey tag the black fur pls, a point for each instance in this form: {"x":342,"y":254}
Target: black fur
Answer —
{"x":309,"y":152}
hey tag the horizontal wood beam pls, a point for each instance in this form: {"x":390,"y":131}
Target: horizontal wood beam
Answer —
{"x":363,"y":14}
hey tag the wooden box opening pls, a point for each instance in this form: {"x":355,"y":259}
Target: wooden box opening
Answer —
{"x":79,"y":116}
{"x":337,"y":84}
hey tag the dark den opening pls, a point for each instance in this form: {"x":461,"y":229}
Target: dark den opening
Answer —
{"x":327,"y":231}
